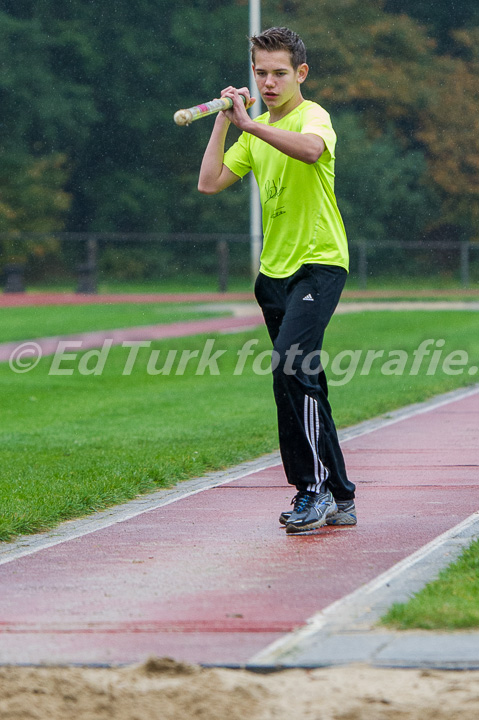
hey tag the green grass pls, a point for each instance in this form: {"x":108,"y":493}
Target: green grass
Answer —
{"x":22,"y":323}
{"x":209,"y":283}
{"x":187,"y":283}
{"x":74,"y":443}
{"x":369,"y":394}
{"x":399,"y":295}
{"x":450,"y":602}
{"x":434,"y":281}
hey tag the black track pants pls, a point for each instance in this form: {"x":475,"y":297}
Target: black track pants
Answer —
{"x":297,"y":311}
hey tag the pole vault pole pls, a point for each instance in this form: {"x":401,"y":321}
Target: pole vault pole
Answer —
{"x":255,"y":223}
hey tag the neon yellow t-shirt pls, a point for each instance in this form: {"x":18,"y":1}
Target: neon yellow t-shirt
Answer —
{"x":301,"y":220}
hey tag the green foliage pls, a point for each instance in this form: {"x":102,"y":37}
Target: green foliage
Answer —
{"x":42,"y":109}
{"x":88,"y":92}
{"x":440,"y":16}
{"x":168,"y":259}
{"x":41,"y":113}
{"x":32,"y":192}
{"x":100,"y":86}
{"x":391,"y":71}
{"x":380,"y":187}
{"x":143,"y":164}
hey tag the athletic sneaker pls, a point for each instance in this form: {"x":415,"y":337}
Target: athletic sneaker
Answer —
{"x":346,"y":514}
{"x":311,"y":510}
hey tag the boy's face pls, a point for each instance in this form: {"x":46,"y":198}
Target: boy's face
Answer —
{"x":277,"y":81}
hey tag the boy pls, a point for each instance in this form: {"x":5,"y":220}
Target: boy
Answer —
{"x":304,"y":263}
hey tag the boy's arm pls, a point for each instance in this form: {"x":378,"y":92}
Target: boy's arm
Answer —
{"x":214,"y":175}
{"x":305,"y":147}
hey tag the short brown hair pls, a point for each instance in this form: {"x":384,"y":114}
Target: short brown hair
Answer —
{"x":280,"y":38}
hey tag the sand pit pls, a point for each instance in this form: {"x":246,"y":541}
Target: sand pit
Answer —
{"x":165,"y":690}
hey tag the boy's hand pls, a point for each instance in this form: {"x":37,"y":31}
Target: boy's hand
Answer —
{"x":237,"y":114}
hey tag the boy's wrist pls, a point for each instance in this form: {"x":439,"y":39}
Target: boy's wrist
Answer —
{"x":249,"y":126}
{"x":222,"y":120}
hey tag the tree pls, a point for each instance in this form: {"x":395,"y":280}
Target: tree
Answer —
{"x":380,"y":188}
{"x":36,"y":109}
{"x":88,"y":94}
{"x":449,"y":129}
{"x":143,"y":60}
{"x":388,"y":69}
{"x":441,"y":17}
{"x":100,"y":84}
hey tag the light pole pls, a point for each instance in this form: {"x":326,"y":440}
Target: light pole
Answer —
{"x":255,"y":223}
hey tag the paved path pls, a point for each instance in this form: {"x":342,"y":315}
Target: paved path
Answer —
{"x":212,"y":578}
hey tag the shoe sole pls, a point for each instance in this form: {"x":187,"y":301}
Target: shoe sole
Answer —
{"x":347,"y":520}
{"x":294,"y":529}
{"x":344,"y":519}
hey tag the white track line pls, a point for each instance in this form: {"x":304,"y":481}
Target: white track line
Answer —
{"x":70,"y":530}
{"x":342,"y":612}
{"x":29,"y":544}
{"x":406,"y":306}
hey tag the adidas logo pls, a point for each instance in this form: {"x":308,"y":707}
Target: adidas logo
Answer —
{"x":309,"y":297}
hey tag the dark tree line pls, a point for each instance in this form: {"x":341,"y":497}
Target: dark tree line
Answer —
{"x":88,"y":89}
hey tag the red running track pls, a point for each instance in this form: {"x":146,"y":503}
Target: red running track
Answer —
{"x":212,"y":578}
{"x":95,"y":339}
{"x":59,"y":298}
{"x":32,"y":299}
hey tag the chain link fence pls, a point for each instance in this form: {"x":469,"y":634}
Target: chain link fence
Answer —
{"x":85,"y":262}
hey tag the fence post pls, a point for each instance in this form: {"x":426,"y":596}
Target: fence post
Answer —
{"x":87,"y":271}
{"x":13,"y":273}
{"x":465,"y":263}
{"x":222,"y":250}
{"x":363,"y":265}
